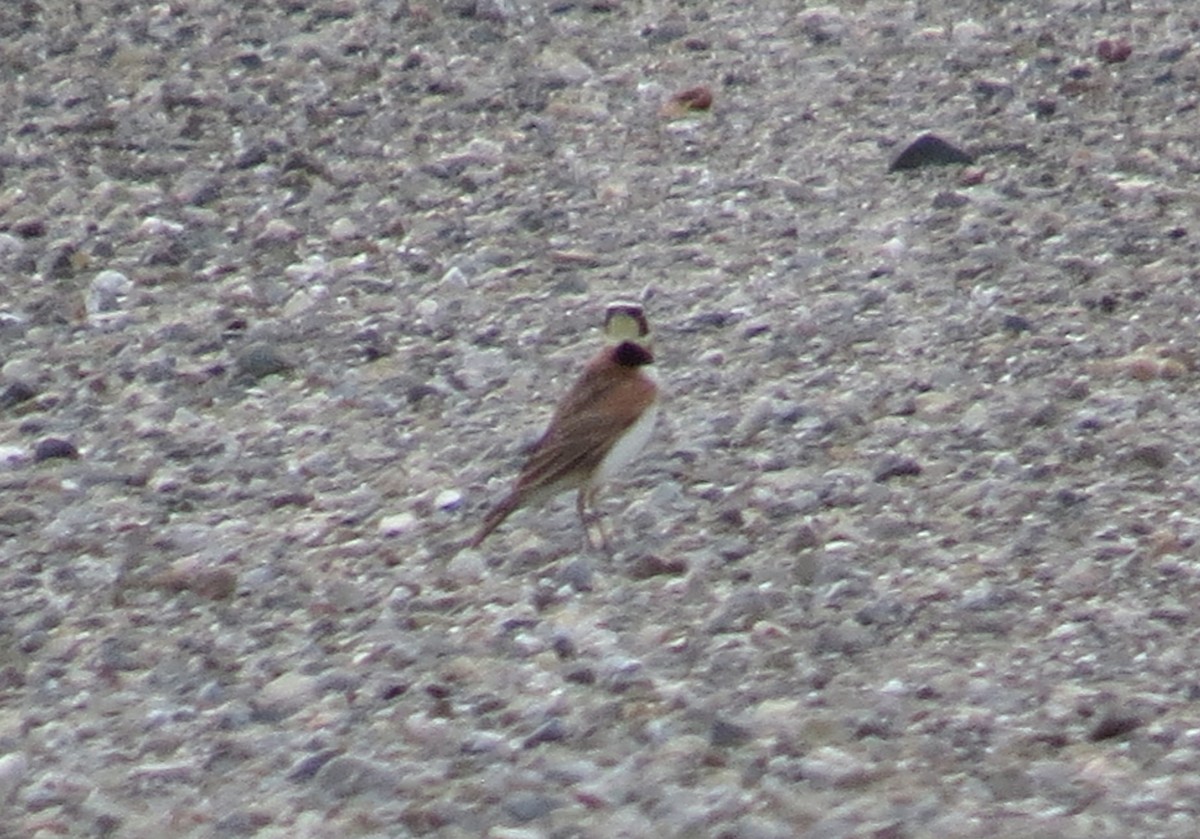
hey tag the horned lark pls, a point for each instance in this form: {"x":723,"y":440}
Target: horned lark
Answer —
{"x":600,"y":425}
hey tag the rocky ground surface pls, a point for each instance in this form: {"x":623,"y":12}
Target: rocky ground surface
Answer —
{"x":288,"y":286}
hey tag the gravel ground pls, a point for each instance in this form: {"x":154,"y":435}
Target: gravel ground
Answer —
{"x":288,"y":287}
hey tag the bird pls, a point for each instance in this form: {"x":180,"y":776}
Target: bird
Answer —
{"x":599,"y":426}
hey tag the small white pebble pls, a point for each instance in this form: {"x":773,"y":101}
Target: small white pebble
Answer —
{"x":299,"y":303}
{"x":455,"y":278}
{"x":427,"y":309}
{"x":12,"y":455}
{"x":515,"y":833}
{"x":153,"y":226}
{"x":10,"y":245}
{"x":967,"y":32}
{"x":19,"y":370}
{"x":105,"y":292}
{"x":111,"y":282}
{"x":313,"y":268}
{"x":13,"y":767}
{"x":343,"y":229}
{"x":448,"y":499}
{"x":278,"y":230}
{"x":397,"y":524}
{"x":893,"y":249}
{"x":466,"y":566}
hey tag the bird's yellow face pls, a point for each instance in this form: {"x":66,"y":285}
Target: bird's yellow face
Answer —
{"x":624,"y":321}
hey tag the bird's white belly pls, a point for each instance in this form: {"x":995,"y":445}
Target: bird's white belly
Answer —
{"x":627,"y":447}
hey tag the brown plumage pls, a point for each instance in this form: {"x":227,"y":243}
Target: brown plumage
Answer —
{"x":598,"y":426}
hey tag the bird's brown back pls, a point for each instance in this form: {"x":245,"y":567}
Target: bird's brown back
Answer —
{"x":579,"y":436}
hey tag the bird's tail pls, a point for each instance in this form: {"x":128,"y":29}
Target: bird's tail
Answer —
{"x":494,"y":517}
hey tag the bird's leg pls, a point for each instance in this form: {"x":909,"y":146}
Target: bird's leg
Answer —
{"x":584,"y":519}
{"x":586,"y":505}
{"x":605,"y":542}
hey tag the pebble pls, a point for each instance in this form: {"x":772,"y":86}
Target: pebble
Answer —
{"x":397,"y":524}
{"x":242,"y":823}
{"x":975,"y":418}
{"x":54,"y":448}
{"x":687,"y":102}
{"x":563,"y":67}
{"x":929,"y":150}
{"x":427,"y":310}
{"x":896,"y":466}
{"x":467,"y":566}
{"x":646,"y":566}
{"x":1016,"y":324}
{"x":448,"y":500}
{"x":278,"y":231}
{"x":739,"y":611}
{"x":984,"y":597}
{"x":755,"y":419}
{"x":312,"y":269}
{"x":725,"y":733}
{"x":305,"y":300}
{"x":205,"y":581}
{"x":260,"y":360}
{"x":844,"y":638}
{"x":454,"y":279}
{"x":551,"y":731}
{"x":251,"y":156}
{"x":496,"y":11}
{"x":579,"y":573}
{"x":831,"y":767}
{"x":105,"y":292}
{"x":308,"y":766}
{"x":764,"y":827}
{"x":12,"y":515}
{"x":55,"y":789}
{"x":528,"y":806}
{"x":154,"y":227}
{"x":286,"y":694}
{"x":1114,"y":724}
{"x":965,"y":33}
{"x":1113,"y":50}
{"x":823,"y":24}
{"x":13,"y":455}
{"x":14,"y":767}
{"x":110,"y":282}
{"x":347,"y":776}
{"x":343,"y":229}
{"x":1152,"y":455}
{"x":496,"y":832}
{"x":480,"y":366}
{"x":11,"y":249}
{"x":16,"y":393}
{"x":948,"y":200}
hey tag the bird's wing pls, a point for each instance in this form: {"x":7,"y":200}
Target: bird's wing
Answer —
{"x":569,"y":451}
